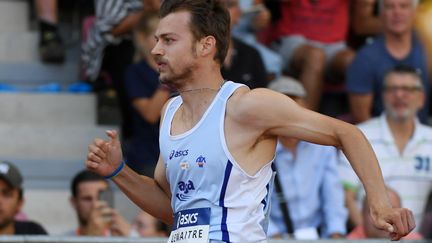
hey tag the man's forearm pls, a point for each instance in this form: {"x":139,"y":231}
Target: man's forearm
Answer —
{"x":146,"y":193}
{"x":364,"y":162}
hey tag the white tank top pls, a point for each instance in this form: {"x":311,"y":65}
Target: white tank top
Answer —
{"x":202,"y":173}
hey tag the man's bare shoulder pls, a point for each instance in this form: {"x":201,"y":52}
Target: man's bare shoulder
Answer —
{"x":247,"y":105}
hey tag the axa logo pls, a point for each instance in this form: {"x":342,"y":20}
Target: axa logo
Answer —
{"x":201,"y":161}
{"x":178,"y":153}
{"x":184,"y":188}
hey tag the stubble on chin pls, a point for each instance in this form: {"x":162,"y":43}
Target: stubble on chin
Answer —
{"x":400,"y":116}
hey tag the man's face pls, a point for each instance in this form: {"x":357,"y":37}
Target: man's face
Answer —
{"x":175,"y":50}
{"x":402,"y":96}
{"x":398,"y":16}
{"x":10,"y":203}
{"x":87,"y":195}
{"x":145,"y":225}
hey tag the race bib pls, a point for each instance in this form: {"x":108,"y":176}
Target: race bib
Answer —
{"x":191,"y":226}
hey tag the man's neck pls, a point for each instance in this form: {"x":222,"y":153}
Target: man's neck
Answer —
{"x":201,"y":87}
{"x":197,"y":95}
{"x":402,"y":132}
{"x":399,"y":45}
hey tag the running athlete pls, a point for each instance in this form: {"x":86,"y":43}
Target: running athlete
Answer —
{"x":218,"y":138}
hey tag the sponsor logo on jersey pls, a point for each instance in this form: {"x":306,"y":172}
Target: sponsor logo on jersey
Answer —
{"x":192,"y":217}
{"x":201,"y":161}
{"x":184,"y":188}
{"x":186,"y":219}
{"x":178,"y":153}
{"x":184,"y":165}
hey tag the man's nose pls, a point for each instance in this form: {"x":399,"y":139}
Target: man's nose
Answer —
{"x":157,"y":50}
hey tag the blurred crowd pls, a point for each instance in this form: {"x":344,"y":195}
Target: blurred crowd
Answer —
{"x":376,"y":53}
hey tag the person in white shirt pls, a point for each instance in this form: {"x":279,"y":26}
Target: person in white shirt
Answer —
{"x":402,"y":144}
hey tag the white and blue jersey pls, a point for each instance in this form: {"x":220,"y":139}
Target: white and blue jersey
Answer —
{"x":207,"y":184}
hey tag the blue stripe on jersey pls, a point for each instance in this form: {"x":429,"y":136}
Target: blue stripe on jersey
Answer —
{"x":264,"y":201}
{"x":224,"y":228}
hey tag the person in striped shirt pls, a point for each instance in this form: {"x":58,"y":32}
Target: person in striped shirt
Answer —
{"x":402,"y":144}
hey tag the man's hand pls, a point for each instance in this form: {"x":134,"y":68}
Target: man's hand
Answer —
{"x":104,"y":157}
{"x":100,"y":219}
{"x":119,"y":226}
{"x":397,"y":221}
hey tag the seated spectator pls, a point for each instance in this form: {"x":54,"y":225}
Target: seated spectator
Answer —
{"x":402,"y":144}
{"x":368,"y":230}
{"x":422,"y":26}
{"x":12,"y":201}
{"x":148,"y":226}
{"x":108,"y":50}
{"x":95,"y":217}
{"x":51,"y":46}
{"x":311,"y":39}
{"x":365,"y":22}
{"x":146,"y":98}
{"x":243,"y":63}
{"x":310,"y":190}
{"x":254,"y":18}
{"x":397,"y":45}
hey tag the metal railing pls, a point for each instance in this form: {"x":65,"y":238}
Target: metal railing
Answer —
{"x":54,"y":239}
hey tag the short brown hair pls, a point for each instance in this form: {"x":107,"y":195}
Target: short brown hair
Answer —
{"x":208,"y":18}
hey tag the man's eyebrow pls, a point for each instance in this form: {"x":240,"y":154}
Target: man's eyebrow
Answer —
{"x":164,"y":35}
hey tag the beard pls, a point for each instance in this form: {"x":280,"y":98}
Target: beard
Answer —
{"x":400,"y":116}
{"x":174,"y":78}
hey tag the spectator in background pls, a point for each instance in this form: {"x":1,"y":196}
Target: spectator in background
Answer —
{"x":147,"y":97}
{"x":12,"y":201}
{"x":311,"y":39}
{"x":243,"y":63}
{"x":398,"y":45}
{"x":368,"y":230}
{"x":148,"y":226}
{"x":402,"y":144}
{"x":51,"y":46}
{"x":254,"y":18}
{"x":365,"y":22}
{"x":95,"y":217}
{"x":108,"y":51}
{"x":310,"y":187}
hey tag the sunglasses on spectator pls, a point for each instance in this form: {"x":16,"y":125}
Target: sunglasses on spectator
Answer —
{"x":407,"y":89}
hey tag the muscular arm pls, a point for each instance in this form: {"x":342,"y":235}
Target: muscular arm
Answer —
{"x":360,"y":106}
{"x":151,"y":195}
{"x":274,"y":114}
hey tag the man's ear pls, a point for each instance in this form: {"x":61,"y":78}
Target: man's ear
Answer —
{"x":207,"y":46}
